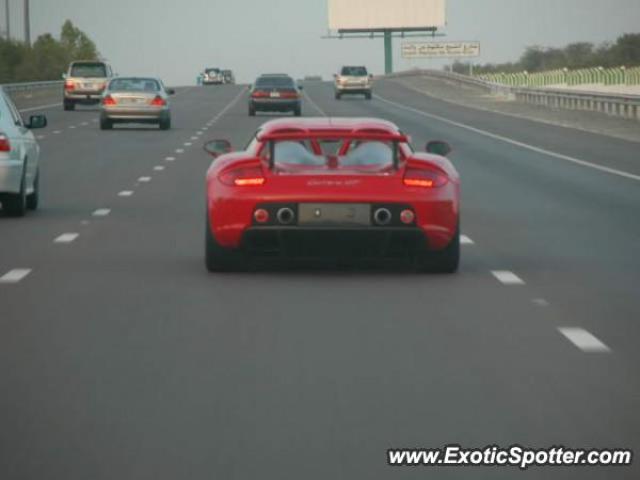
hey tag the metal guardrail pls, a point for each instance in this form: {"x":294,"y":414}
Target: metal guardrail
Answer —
{"x":24,"y":87}
{"x":619,"y":105}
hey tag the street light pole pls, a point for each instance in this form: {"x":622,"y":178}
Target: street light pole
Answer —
{"x":27,"y":23}
{"x":7,"y":19}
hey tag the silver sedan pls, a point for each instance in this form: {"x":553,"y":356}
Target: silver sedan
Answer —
{"x":19,"y":159}
{"x":136,"y":100}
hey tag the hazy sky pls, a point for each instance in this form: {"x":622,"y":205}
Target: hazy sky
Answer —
{"x":175,"y":39}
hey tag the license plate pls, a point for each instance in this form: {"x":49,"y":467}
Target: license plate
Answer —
{"x":275,"y":94}
{"x":355,"y":214}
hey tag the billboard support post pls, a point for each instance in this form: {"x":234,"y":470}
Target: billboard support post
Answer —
{"x":388,"y":52}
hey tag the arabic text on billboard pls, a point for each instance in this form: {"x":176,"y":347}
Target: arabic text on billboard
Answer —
{"x":440,"y":49}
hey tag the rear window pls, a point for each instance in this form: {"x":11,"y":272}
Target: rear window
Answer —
{"x":275,"y":82}
{"x":212,"y":70}
{"x":354,"y":71}
{"x":134,"y":85}
{"x":89,"y":70}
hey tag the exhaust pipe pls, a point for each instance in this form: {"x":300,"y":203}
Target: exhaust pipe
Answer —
{"x":286,"y":216}
{"x":382,"y":216}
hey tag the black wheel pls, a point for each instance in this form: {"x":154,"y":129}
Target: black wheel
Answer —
{"x":443,"y":261}
{"x":252,"y":111}
{"x":298,"y":112}
{"x":220,"y":259}
{"x":338,"y":96}
{"x":33,"y":199}
{"x":165,"y":123}
{"x":105,"y":123}
{"x":15,"y":204}
{"x":69,"y":105}
{"x":368,"y":96}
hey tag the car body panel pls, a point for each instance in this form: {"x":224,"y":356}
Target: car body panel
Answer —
{"x":348,"y":82}
{"x":24,"y":157}
{"x":275,"y":92}
{"x":231,"y":208}
{"x":80,"y":88}
{"x":135,"y":105}
{"x":212,"y":76}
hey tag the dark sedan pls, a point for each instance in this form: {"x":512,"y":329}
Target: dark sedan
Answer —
{"x":275,"y":93}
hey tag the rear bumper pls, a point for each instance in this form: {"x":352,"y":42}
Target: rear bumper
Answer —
{"x":87,"y":98}
{"x":275,"y":104}
{"x":362,"y":89}
{"x":10,"y":176}
{"x":135,"y":115}
{"x":306,"y":243}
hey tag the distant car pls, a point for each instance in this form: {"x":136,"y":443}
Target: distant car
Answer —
{"x":213,"y":76}
{"x":353,"y":81}
{"x":338,"y":188}
{"x":84,"y":83}
{"x":136,"y":100}
{"x":19,"y":159}
{"x":275,"y":93}
{"x":228,"y":77}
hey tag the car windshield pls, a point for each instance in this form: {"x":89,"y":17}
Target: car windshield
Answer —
{"x":275,"y":82}
{"x":354,"y":71}
{"x":89,"y":70}
{"x":134,"y":85}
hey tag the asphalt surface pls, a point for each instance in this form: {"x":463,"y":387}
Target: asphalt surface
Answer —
{"x":120,"y":357}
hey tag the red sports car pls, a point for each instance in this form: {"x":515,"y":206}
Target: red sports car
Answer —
{"x":332,"y":187}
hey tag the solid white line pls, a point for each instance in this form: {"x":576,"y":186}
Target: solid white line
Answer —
{"x":313,"y":104}
{"x":15,"y":276}
{"x":125,"y":193}
{"x":42,"y":107}
{"x":144,"y":179}
{"x":464,"y":240}
{"x":101,"y":212}
{"x":180,"y":150}
{"x":229,"y":106}
{"x":66,"y":238}
{"x":158,"y":168}
{"x":584,"y":340}
{"x":526,"y":146}
{"x":507,"y":278}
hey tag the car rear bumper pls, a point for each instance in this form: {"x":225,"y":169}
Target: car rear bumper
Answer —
{"x":10,"y":176}
{"x":135,"y":115}
{"x":275,"y":104}
{"x":353,"y":89}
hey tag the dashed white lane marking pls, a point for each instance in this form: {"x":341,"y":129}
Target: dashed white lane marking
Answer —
{"x":158,"y":168}
{"x":125,"y":193}
{"x":95,"y":120}
{"x":584,"y":340}
{"x":15,"y":276}
{"x":187,"y":144}
{"x":464,"y":240}
{"x":101,"y":212}
{"x":194,"y":138}
{"x":66,"y":238}
{"x":144,"y":179}
{"x":57,"y":132}
{"x":84,"y":124}
{"x":510,"y":141}
{"x":84,"y":223}
{"x":41,"y":137}
{"x":314,"y":104}
{"x":507,"y":278}
{"x":199,"y":133}
{"x":540,"y":302}
{"x":180,"y":150}
{"x":72,"y":126}
{"x":170,"y":159}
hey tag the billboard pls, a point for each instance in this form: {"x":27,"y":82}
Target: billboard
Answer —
{"x":366,"y":15}
{"x":440,"y":49}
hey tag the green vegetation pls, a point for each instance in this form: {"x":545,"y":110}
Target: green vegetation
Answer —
{"x":47,"y":59}
{"x":576,"y":56}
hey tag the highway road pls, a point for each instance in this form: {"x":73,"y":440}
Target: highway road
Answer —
{"x":120,"y":357}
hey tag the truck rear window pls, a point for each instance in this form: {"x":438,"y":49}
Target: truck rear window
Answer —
{"x":89,"y":70}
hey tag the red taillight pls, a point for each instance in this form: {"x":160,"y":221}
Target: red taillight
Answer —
{"x":5,"y":145}
{"x":243,"y":177}
{"x":424,"y":178}
{"x":108,"y":100}
{"x":69,"y":85}
{"x":158,"y":101}
{"x":259,"y":94}
{"x":261,"y":215}
{"x":289,"y":95}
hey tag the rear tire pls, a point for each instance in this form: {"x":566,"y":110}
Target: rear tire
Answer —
{"x":298,"y":112}
{"x":105,"y":123}
{"x":338,"y":96}
{"x":165,"y":124}
{"x":15,"y":204}
{"x":252,"y":111}
{"x":368,"y":96}
{"x":33,"y":199}
{"x":69,"y":105}
{"x":443,"y":261}
{"x":220,"y":259}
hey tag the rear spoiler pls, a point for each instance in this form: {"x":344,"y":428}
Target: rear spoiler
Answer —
{"x":333,"y":135}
